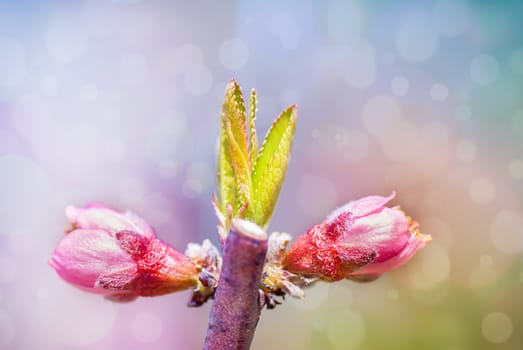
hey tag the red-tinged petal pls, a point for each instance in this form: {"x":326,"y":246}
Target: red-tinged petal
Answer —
{"x":141,"y":226}
{"x":133,"y":243}
{"x":97,"y":216}
{"x":118,"y":278}
{"x":355,"y":257}
{"x":415,"y":243}
{"x":164,"y":270}
{"x":83,"y":255}
{"x":363,"y":206}
{"x":311,"y":255}
{"x":387,"y":232}
{"x":363,"y":238}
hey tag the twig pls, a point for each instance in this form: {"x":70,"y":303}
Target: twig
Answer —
{"x":237,"y":307}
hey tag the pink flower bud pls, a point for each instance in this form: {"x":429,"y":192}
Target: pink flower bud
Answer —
{"x":117,"y":255}
{"x":359,"y":241}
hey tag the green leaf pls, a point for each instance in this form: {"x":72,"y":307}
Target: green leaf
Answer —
{"x":242,"y":175}
{"x":271,"y":165}
{"x":253,"y":138}
{"x":234,"y":176}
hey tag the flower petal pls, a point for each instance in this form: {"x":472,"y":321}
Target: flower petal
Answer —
{"x":414,"y":243}
{"x":363,"y":206}
{"x":83,"y":255}
{"x":387,"y":232}
{"x":118,"y":278}
{"x":99,"y":216}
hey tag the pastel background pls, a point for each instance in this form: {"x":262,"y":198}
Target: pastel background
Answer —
{"x":118,"y":101}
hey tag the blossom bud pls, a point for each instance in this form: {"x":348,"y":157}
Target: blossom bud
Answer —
{"x":359,"y":241}
{"x":117,"y":255}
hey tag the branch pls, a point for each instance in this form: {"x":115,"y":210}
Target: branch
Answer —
{"x":236,"y":308}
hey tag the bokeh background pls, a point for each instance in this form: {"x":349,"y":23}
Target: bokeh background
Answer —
{"x":118,"y":101}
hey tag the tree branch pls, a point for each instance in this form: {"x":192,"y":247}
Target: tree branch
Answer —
{"x":236,"y":308}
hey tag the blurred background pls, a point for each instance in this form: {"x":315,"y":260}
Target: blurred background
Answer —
{"x":119,"y":101}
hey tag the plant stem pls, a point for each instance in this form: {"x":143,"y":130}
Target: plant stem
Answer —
{"x":236,"y":308}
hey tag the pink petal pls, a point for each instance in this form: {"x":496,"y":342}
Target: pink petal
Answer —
{"x":362,"y":206}
{"x":142,"y":226}
{"x":72,"y":212}
{"x":387,"y":232}
{"x":98,"y":216}
{"x":133,"y":243}
{"x":413,"y":245}
{"x":83,"y":255}
{"x":117,"y":278}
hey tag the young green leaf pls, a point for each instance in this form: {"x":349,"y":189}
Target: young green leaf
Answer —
{"x":242,"y":175}
{"x":234,"y":175}
{"x":253,"y":138}
{"x":271,"y":165}
{"x":225,"y":174}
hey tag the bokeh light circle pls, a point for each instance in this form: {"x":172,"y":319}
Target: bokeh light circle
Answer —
{"x":497,"y":327}
{"x":283,"y":25}
{"x":416,"y":40}
{"x":233,"y":54}
{"x":484,"y":69}
{"x":399,"y":85}
{"x":515,"y":168}
{"x":360,"y":64}
{"x":432,"y":269}
{"x":506,"y":231}
{"x":439,"y":92}
{"x":481,"y":190}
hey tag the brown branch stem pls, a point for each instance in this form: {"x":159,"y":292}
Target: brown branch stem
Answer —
{"x":236,"y":308}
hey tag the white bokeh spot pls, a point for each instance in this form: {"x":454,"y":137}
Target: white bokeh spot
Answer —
{"x":233,"y":54}
{"x":439,"y":92}
{"x":283,"y":25}
{"x":497,"y":327}
{"x":506,"y":232}
{"x":399,"y":85}
{"x":484,"y":69}
{"x":416,"y":40}
{"x":360,"y":64}
{"x":481,"y":190}
{"x":515,"y":169}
